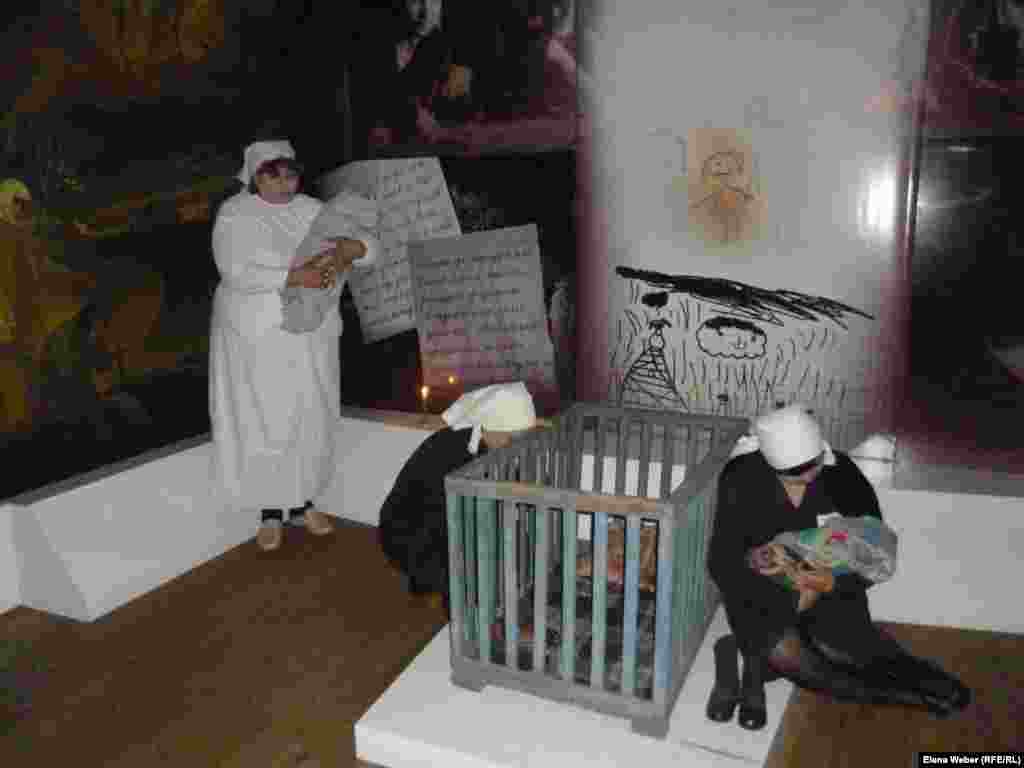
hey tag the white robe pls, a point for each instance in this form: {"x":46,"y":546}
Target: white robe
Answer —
{"x":274,"y":396}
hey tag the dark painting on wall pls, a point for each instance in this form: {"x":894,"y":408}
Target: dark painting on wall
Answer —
{"x":965,"y":359}
{"x":460,"y":77}
{"x":116,"y":235}
{"x":964,"y":391}
{"x":975,"y":71}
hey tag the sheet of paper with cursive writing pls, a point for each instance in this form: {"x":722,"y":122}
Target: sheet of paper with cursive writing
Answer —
{"x":480,"y":307}
{"x":415,"y":204}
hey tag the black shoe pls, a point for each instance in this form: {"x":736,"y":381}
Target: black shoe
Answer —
{"x":940,"y":693}
{"x":725,"y":694}
{"x":753,"y":711}
{"x":946,"y":703}
{"x":722,"y":704}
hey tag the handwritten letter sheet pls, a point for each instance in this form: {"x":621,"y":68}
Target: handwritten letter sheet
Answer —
{"x":480,"y":307}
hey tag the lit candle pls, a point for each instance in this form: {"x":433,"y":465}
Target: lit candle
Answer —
{"x":451,"y":380}
{"x":424,"y":394}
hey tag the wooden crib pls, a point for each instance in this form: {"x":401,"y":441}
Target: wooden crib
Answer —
{"x":617,"y":630}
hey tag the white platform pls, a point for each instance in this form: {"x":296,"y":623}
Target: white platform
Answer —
{"x":424,"y":720}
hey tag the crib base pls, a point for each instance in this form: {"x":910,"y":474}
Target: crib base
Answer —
{"x":654,"y":727}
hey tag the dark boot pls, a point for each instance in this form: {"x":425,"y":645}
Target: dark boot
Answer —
{"x":725,"y":694}
{"x":753,"y":703}
{"x":939,"y":692}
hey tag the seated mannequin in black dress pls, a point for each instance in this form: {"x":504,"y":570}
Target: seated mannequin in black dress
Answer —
{"x":820,"y":637}
{"x":414,"y":518}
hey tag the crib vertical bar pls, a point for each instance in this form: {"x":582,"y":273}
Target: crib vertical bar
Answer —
{"x":668,"y":460}
{"x":692,"y":446}
{"x":682,"y":579}
{"x":599,"y":614}
{"x":499,"y":558}
{"x":540,"y":587}
{"x":561,"y":455}
{"x":528,"y":461}
{"x":509,"y":525}
{"x":457,"y":566}
{"x":487,"y":511}
{"x":472,"y":598}
{"x":710,"y":589}
{"x":522,"y":547}
{"x":646,"y":437}
{"x":576,"y":452}
{"x":531,"y":543}
{"x":631,"y":595}
{"x":702,"y":551}
{"x":568,"y":650}
{"x":663,"y":611}
{"x":599,"y":436}
{"x":622,"y":455}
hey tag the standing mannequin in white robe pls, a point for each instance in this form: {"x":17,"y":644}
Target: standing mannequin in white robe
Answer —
{"x":274,"y":395}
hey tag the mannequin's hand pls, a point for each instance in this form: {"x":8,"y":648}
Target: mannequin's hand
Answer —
{"x":815,"y":580}
{"x":766,"y":559}
{"x":808,"y":597}
{"x":345,"y":252}
{"x":310,"y":276}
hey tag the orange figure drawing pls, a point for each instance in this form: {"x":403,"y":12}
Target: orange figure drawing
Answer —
{"x":724,"y":196}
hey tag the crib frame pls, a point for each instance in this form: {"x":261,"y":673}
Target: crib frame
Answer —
{"x":514,"y":522}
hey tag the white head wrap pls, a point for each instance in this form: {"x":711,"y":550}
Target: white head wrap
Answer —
{"x":499,"y":408}
{"x":263,"y":152}
{"x":787,"y":437}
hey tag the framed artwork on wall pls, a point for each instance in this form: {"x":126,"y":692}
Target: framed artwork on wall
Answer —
{"x":456,"y":77}
{"x":975,"y":77}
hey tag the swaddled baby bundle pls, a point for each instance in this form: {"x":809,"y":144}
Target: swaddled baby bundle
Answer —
{"x":346,"y":215}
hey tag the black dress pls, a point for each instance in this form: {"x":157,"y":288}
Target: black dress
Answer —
{"x":753,"y":508}
{"x":413,"y":520}
{"x":386,"y":96}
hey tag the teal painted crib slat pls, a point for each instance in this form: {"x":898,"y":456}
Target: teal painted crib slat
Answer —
{"x":599,"y":601}
{"x":703,"y":532}
{"x":631,"y":587}
{"x":486,"y":550}
{"x":456,"y":570}
{"x":680,"y":581}
{"x":663,"y":613}
{"x":694,"y":589}
{"x":469,"y":506}
{"x":709,"y":521}
{"x":531,"y":536}
{"x":568,"y":649}
{"x":511,"y":599}
{"x":540,"y":592}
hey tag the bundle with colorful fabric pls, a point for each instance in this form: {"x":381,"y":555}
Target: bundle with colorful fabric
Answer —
{"x":865,"y":546}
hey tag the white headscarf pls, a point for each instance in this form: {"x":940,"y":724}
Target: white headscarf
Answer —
{"x":787,"y":437}
{"x":499,"y":408}
{"x":261,"y":152}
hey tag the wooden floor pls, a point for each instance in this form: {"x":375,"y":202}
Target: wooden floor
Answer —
{"x":257,"y":660}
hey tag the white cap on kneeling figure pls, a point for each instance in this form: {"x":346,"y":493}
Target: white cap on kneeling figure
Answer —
{"x":497,"y":408}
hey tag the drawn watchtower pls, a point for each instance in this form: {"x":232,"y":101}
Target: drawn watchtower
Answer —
{"x":648,"y":381}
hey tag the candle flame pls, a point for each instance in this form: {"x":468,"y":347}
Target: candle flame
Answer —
{"x":424,"y":391}
{"x":451,"y":379}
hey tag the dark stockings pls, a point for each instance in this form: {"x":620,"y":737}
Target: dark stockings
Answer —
{"x":896,"y":678}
